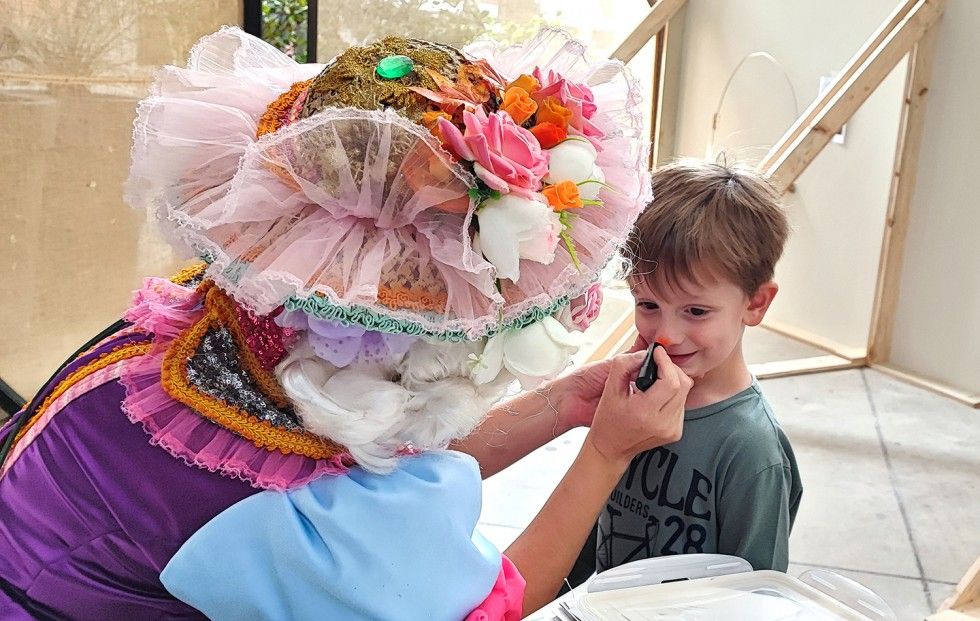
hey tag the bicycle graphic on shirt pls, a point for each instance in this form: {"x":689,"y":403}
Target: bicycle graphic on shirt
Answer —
{"x":643,"y":545}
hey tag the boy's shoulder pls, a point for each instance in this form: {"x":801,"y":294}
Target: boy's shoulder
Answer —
{"x":749,"y":434}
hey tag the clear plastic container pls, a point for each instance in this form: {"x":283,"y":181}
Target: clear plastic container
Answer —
{"x":711,"y":587}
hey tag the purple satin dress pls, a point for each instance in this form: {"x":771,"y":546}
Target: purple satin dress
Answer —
{"x":90,"y":512}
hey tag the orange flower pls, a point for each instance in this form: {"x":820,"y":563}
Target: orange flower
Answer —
{"x":551,"y":111}
{"x":562,"y":196}
{"x":518,"y":104}
{"x":430,"y":121}
{"x":430,"y":118}
{"x":527,"y":82}
{"x":549,"y":134}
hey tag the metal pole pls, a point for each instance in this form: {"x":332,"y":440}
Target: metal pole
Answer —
{"x":311,"y":30}
{"x":10,"y":401}
{"x":252,"y":17}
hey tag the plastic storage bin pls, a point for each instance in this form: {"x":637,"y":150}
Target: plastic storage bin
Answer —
{"x":711,"y":586}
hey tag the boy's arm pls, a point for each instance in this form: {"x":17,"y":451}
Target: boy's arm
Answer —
{"x":755,"y":517}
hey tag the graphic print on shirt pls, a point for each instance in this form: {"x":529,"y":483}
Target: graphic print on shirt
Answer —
{"x":648,"y":515}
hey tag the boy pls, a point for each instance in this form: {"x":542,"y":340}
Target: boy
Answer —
{"x":704,"y":252}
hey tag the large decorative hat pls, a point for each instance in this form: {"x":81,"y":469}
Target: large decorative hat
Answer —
{"x":406,"y":187}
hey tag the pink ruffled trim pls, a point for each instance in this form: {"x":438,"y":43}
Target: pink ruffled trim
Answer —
{"x":506,"y":599}
{"x":166,"y":309}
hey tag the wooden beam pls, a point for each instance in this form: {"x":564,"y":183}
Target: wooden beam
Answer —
{"x":618,"y":339}
{"x":821,"y":102}
{"x":815,"y":340}
{"x":802,"y":366}
{"x":900,"y":198}
{"x":664,"y":141}
{"x":971,"y":399}
{"x":656,"y":19}
{"x":793,"y":158}
{"x":967,"y":594}
{"x":656,"y":100}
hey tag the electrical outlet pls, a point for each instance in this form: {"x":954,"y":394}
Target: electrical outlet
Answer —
{"x":825,"y":82}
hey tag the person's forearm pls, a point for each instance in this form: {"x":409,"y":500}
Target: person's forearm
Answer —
{"x":548,"y":547}
{"x":513,"y":428}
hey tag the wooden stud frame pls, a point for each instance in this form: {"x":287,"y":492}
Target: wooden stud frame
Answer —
{"x":909,"y":30}
{"x":964,"y":603}
{"x":655,"y":20}
{"x":900,"y":198}
{"x":786,"y":161}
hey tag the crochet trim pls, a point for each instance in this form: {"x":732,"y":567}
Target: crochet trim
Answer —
{"x":322,"y":308}
{"x":219,"y":313}
{"x":189,"y":274}
{"x":111,"y":357}
{"x":277,"y":113}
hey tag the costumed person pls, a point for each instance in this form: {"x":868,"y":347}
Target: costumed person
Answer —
{"x":389,"y":241}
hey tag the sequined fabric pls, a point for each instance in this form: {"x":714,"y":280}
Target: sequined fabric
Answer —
{"x":268,"y":340}
{"x":216,"y":370}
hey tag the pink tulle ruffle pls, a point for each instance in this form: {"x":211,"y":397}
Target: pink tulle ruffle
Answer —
{"x":166,"y":309}
{"x":362,"y":207}
{"x":506,"y":599}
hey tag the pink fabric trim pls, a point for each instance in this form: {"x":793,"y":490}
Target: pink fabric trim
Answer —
{"x":78,"y":389}
{"x":167,"y":309}
{"x":506,"y":599}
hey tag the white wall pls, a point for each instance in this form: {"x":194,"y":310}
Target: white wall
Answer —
{"x":937,"y":330}
{"x":828,"y":271}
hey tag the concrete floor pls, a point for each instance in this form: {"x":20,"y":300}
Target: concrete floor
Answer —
{"x":891,"y":477}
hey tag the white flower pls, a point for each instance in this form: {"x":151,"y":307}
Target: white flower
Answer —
{"x":533,"y":354}
{"x":571,"y":160}
{"x":513,"y":228}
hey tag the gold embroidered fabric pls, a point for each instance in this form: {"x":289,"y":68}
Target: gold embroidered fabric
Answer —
{"x":219,"y":313}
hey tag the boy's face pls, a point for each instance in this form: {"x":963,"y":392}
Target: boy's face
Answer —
{"x":699,"y":324}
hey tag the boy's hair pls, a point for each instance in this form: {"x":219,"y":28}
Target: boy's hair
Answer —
{"x":709,"y":219}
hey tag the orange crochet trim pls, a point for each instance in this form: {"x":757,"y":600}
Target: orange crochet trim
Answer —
{"x":398,"y":298}
{"x":219,"y":313}
{"x":189,"y":274}
{"x":274,"y":116}
{"x":122,"y":352}
{"x":419,"y":301}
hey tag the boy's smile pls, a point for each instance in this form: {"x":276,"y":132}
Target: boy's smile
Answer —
{"x":700,"y":325}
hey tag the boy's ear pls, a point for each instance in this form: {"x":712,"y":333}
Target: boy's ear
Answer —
{"x":759,"y":303}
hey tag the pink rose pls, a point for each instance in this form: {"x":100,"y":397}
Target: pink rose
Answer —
{"x":583,"y":310}
{"x":577,"y":98}
{"x":505,"y":156}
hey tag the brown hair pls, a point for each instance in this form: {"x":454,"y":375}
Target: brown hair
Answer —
{"x":709,"y":219}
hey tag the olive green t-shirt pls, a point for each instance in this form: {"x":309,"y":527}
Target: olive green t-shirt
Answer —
{"x":730,"y":485}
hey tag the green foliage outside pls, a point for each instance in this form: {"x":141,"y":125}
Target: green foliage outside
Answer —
{"x":284,"y":26}
{"x":343,"y":23}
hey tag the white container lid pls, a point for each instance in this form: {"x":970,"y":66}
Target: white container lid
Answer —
{"x":750,"y":596}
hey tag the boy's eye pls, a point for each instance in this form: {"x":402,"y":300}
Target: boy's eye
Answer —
{"x":698,"y":312}
{"x":647,"y":305}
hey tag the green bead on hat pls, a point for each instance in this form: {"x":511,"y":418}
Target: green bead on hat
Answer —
{"x":394,"y":67}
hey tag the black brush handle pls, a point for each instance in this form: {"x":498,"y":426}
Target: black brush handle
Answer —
{"x":648,"y":370}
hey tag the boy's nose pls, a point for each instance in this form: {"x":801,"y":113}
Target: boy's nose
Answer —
{"x":667,"y":336}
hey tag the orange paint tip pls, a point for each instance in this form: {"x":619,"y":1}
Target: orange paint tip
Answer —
{"x":663,"y":342}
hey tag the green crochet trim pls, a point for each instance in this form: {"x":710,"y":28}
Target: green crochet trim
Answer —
{"x":322,"y":308}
